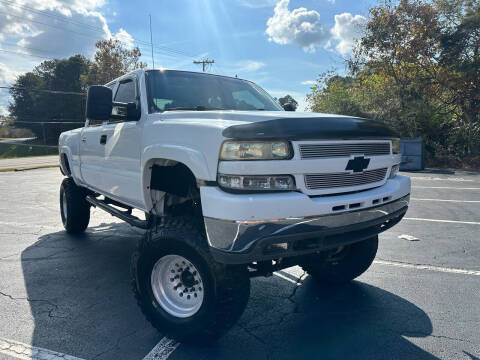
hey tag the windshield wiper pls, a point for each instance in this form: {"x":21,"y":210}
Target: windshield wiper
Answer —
{"x":195,"y":108}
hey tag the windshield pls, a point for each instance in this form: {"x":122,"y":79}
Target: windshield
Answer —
{"x":182,"y":90}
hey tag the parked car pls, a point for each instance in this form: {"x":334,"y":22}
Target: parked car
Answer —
{"x":232,"y":187}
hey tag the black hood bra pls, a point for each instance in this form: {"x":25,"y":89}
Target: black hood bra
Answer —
{"x":310,"y":128}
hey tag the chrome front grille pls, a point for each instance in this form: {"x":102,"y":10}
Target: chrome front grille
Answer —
{"x":344,"y":179}
{"x":316,"y":151}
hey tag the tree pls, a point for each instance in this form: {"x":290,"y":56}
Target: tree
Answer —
{"x":334,"y":94}
{"x":112,"y":60}
{"x":48,"y":94}
{"x":54,"y":91}
{"x":416,"y":68}
{"x":288,"y":99}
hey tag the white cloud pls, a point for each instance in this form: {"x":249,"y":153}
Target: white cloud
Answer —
{"x":346,"y":30}
{"x":303,"y":28}
{"x":48,"y":29}
{"x":308,"y":82}
{"x":125,"y":38}
{"x":7,"y":75}
{"x":3,"y":110}
{"x":299,"y":26}
{"x":255,"y":4}
{"x":249,"y":66}
{"x":57,"y":28}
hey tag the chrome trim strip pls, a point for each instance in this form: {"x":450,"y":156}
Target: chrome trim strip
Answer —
{"x":327,"y":150}
{"x":344,"y":179}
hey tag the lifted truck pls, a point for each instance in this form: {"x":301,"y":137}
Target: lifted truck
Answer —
{"x":232,"y":187}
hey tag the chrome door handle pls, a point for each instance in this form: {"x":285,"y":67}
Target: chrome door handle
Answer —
{"x":84,"y":139}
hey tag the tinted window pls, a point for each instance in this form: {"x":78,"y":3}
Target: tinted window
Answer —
{"x":126,"y":92}
{"x":181,"y":90}
{"x":246,"y":99}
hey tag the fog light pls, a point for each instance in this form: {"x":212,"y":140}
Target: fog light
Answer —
{"x":394,"y":171}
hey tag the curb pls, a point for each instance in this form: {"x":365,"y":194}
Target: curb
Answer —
{"x":33,"y":167}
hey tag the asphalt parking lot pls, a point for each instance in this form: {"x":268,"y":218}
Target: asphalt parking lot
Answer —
{"x":419,"y":300}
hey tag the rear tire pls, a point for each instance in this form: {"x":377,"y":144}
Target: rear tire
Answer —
{"x":345,"y":265}
{"x":180,"y":289}
{"x":74,"y":208}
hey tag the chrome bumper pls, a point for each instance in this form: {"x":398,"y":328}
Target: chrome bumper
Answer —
{"x":239,"y":242}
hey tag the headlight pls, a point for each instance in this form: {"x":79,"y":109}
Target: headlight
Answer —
{"x":257,"y":182}
{"x":395,"y":146}
{"x":394,"y":171}
{"x":249,"y":150}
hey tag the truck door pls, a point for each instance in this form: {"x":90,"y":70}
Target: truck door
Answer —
{"x":121,"y":167}
{"x":91,"y":155}
{"x":92,"y":151}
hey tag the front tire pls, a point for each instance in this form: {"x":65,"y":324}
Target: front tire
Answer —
{"x":74,"y":208}
{"x":180,"y":289}
{"x":345,"y":265}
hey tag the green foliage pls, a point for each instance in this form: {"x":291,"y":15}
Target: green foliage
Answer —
{"x":13,"y":151}
{"x":334,"y":94}
{"x":417,"y":68}
{"x":112,"y":60}
{"x":288,"y":99}
{"x":32,"y":106}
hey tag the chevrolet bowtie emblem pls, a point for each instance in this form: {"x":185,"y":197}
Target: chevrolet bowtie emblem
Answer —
{"x":357,"y":164}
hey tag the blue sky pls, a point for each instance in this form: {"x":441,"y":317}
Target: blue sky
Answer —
{"x":280,"y":44}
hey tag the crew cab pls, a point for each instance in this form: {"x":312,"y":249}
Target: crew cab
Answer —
{"x":232,"y":186}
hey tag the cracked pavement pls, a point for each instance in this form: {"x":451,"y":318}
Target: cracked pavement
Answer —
{"x":72,"y":295}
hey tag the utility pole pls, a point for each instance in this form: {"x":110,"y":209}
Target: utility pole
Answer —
{"x":204,"y":62}
{"x":151,"y":41}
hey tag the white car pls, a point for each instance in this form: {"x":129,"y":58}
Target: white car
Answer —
{"x":232,"y":187}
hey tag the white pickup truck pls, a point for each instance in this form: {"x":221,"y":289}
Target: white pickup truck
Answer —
{"x":232,"y":186}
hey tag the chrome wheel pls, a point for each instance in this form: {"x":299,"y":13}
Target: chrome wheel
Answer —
{"x":64,"y":206}
{"x":177,"y":286}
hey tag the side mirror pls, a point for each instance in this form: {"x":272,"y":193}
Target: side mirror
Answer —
{"x":99,"y":103}
{"x":289,"y":107}
{"x":133,"y":111}
{"x":126,"y":111}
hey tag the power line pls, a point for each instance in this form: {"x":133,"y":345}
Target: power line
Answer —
{"x":44,"y":57}
{"x":44,"y":90}
{"x":205,"y":62}
{"x":92,"y":28}
{"x":221,"y":70}
{"x":39,"y":56}
{"x":58,"y":17}
{"x":23,"y":47}
{"x":18,"y":53}
{"x":49,"y":25}
{"x":161,"y":49}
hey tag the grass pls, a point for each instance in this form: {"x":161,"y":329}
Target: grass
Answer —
{"x":8,"y":151}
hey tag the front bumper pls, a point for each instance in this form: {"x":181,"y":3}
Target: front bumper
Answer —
{"x":245,"y":241}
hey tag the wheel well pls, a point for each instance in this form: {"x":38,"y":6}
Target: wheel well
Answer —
{"x":174,"y":179}
{"x":66,"y":165}
{"x":173,"y":189}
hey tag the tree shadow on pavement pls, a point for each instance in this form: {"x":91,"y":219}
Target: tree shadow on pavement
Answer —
{"x":81,"y":301}
{"x":80,"y":297}
{"x":355,"y":321}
